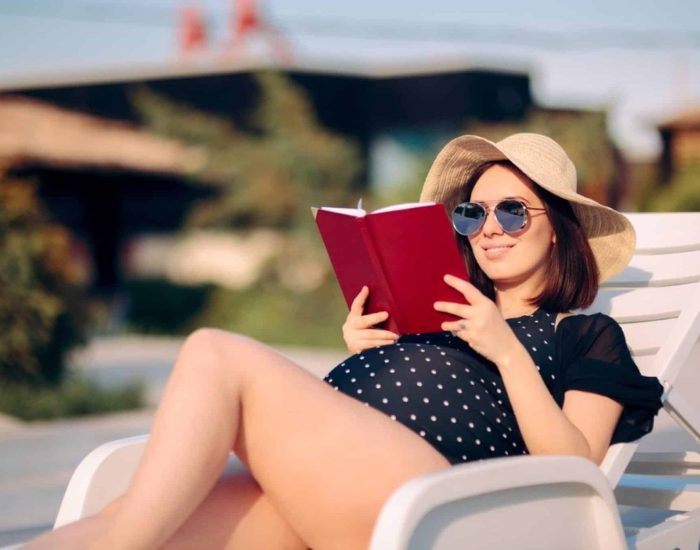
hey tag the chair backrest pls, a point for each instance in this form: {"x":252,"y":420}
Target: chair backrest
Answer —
{"x":656,"y":300}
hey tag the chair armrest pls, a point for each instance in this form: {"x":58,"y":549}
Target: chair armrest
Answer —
{"x":103,"y":475}
{"x":512,"y":502}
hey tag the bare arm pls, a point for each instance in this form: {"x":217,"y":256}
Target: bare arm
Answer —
{"x":583,"y":427}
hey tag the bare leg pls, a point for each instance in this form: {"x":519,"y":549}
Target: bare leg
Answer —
{"x":325,"y":461}
{"x":235,"y":514}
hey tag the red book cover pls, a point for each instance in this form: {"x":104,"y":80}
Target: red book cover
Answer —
{"x":401,"y":253}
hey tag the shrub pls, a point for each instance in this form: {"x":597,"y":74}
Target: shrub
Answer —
{"x":43,"y":312}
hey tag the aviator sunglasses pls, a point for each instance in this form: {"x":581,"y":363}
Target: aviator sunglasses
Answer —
{"x":511,"y":214}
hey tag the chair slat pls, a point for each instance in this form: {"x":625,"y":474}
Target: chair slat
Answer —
{"x":663,"y":302}
{"x":646,"y":338}
{"x":663,"y":232}
{"x":659,"y":270}
{"x":647,"y":364}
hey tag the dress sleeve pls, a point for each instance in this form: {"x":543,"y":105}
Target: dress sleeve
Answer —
{"x":595,"y":358}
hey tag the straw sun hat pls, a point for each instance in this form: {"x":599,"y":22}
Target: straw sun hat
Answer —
{"x":540,"y":158}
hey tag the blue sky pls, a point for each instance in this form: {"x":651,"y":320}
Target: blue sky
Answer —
{"x":640,"y":59}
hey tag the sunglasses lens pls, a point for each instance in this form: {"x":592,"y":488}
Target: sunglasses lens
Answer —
{"x":468,"y":218}
{"x":511,"y":215}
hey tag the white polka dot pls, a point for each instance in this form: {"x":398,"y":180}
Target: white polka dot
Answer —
{"x":392,"y":371}
{"x":398,"y":382}
{"x":372,"y":374}
{"x":459,"y":439}
{"x":454,"y":376}
{"x":546,"y":342}
{"x":478,"y":397}
{"x":426,"y":400}
{"x":446,"y":403}
{"x":478,"y":441}
{"x":378,"y":386}
{"x":433,"y":418}
{"x":412,"y":369}
{"x":422,"y":433}
{"x":427,"y":359}
{"x":448,"y":363}
{"x":359,"y":391}
{"x":472,"y":382}
{"x":459,"y":390}
{"x":347,"y":371}
{"x":406,"y":358}
{"x":440,"y":386}
{"x":442,"y":353}
{"x":433,"y":371}
{"x":362,"y":356}
{"x":498,"y":391}
{"x":381,"y":352}
{"x":401,"y":349}
{"x":492,"y":448}
{"x":553,"y":377}
{"x":404,"y":399}
{"x":534,"y":348}
{"x":464,"y":457}
{"x":419,"y":383}
{"x":471,"y":424}
{"x":385,"y":400}
{"x":353,"y":380}
{"x":386,"y":360}
{"x":330,"y":380}
{"x":465,"y":407}
{"x":438,"y":437}
{"x":413,"y":417}
{"x":453,"y":420}
{"x":488,"y":429}
{"x":393,"y":417}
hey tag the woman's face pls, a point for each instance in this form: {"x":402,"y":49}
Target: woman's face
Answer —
{"x":511,"y":259}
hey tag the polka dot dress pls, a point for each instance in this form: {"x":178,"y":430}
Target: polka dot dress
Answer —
{"x":437,"y":386}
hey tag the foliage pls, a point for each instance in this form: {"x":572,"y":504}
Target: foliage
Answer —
{"x":75,"y":397}
{"x":270,"y":174}
{"x":42,"y":309}
{"x":682,"y":194}
{"x":158,"y":306}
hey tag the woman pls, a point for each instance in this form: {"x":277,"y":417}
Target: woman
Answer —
{"x":514,"y":373}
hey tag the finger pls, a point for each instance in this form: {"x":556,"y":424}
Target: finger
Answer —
{"x":358,"y":303}
{"x":371,"y":319}
{"x":378,"y":334}
{"x":460,"y":310}
{"x":454,"y":326}
{"x":468,"y":290}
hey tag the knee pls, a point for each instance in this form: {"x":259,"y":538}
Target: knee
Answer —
{"x":213,"y":348}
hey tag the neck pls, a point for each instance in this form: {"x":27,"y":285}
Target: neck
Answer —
{"x":513,"y":300}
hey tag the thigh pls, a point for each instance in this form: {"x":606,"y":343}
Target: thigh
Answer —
{"x":326,"y":461}
{"x":236,"y":514}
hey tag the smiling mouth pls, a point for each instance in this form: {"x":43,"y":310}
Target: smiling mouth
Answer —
{"x":493,"y":252}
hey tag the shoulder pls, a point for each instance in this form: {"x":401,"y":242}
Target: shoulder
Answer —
{"x":582,"y":334}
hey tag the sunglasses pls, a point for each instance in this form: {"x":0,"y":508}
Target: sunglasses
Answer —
{"x":511,"y":214}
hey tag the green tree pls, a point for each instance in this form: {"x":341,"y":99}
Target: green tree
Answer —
{"x":42,"y":308}
{"x":682,"y":194}
{"x":270,"y":173}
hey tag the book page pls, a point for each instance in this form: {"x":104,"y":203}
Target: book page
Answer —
{"x":403,"y":206}
{"x":356,"y":212}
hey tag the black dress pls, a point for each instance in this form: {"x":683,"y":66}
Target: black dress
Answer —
{"x":444,"y":391}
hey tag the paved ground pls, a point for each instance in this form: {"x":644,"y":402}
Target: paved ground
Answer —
{"x":36,"y":460}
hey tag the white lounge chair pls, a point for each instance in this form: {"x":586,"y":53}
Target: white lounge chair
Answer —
{"x":542,"y":501}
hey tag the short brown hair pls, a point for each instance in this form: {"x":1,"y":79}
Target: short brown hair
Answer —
{"x":571,"y":281}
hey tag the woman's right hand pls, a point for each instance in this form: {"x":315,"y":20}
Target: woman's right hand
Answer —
{"x":357,"y":329}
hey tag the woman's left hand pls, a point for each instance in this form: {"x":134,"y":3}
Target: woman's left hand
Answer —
{"x":481,"y":325}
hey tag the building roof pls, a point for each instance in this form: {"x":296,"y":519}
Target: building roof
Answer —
{"x":33,"y":131}
{"x":685,"y":120}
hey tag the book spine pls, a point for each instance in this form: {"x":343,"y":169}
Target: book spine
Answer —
{"x":395,"y":322}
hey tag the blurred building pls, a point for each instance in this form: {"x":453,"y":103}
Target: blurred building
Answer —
{"x":680,"y":137}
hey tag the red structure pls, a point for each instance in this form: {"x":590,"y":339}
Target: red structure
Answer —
{"x":192,"y":30}
{"x":247,"y":20}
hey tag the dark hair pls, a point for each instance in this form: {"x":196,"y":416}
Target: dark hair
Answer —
{"x":571,"y":280}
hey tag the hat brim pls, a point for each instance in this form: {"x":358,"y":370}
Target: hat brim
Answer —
{"x":610,"y":234}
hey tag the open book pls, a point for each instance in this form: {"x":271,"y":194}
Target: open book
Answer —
{"x":401,"y":253}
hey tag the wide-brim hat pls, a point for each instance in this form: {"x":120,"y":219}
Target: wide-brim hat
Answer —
{"x":541,"y":159}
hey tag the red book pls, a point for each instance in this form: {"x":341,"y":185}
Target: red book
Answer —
{"x":401,"y":253}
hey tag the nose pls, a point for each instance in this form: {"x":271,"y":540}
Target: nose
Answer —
{"x":491,"y":226}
